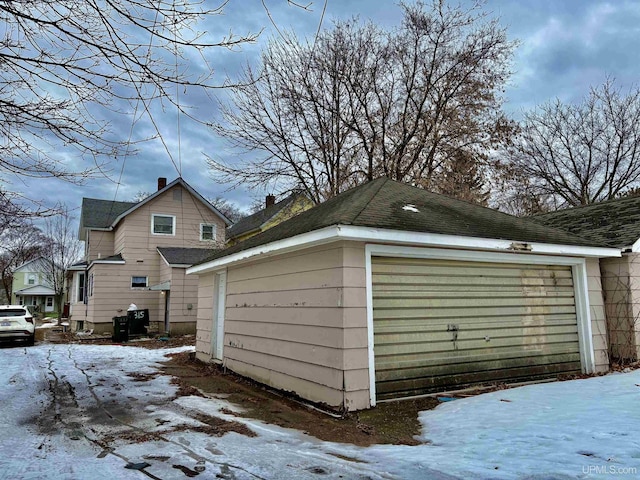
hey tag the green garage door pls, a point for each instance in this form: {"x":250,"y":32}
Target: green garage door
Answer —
{"x":441,"y":324}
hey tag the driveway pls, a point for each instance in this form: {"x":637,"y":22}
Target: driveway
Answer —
{"x":102,"y":411}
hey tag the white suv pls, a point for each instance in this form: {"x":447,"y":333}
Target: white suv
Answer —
{"x":16,"y":323}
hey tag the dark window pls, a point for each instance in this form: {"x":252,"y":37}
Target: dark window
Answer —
{"x":138,"y":282}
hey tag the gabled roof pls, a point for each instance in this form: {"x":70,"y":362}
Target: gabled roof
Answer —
{"x":106,"y":214}
{"x":256,"y":221}
{"x":35,"y":260}
{"x":183,"y":256}
{"x":615,"y":223}
{"x":385,"y":204}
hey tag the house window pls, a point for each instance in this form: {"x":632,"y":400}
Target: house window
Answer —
{"x":138,"y":282}
{"x":163,"y":224}
{"x":207,"y":231}
{"x":81,"y":288}
{"x":49,"y":301}
{"x":91,"y":285}
{"x":31,"y":279}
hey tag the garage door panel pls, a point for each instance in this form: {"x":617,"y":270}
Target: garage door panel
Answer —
{"x":474,"y":344}
{"x":389,"y":364}
{"x":441,"y":323}
{"x":436,"y":383}
{"x":430,"y":293}
{"x":468,"y":312}
{"x":475,"y":283}
{"x":473,"y":322}
{"x":453,"y":302}
{"x":479,"y":366}
{"x":506,"y":272}
{"x":523,"y":335}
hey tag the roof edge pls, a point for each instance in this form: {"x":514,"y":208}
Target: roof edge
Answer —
{"x":156,"y":194}
{"x":370,"y":234}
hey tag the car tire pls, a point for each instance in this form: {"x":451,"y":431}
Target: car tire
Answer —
{"x":31,"y":340}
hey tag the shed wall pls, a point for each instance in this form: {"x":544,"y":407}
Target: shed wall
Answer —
{"x":297,"y":322}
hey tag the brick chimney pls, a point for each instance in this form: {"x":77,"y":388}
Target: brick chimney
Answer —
{"x":162,"y":182}
{"x":270,"y":200}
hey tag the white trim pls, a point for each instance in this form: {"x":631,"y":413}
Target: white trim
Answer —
{"x":217,"y":327}
{"x":214,"y":232}
{"x":368,"y":234}
{"x":146,"y":282}
{"x":581,"y":290}
{"x":173,"y":225}
{"x":370,"y":338}
{"x":106,"y":262}
{"x":635,"y":248}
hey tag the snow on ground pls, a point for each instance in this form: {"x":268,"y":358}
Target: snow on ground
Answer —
{"x":74,"y":412}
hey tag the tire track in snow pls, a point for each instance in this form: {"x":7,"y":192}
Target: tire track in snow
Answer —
{"x":109,"y":451}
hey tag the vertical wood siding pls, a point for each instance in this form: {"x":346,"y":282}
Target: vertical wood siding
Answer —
{"x":442,"y":324}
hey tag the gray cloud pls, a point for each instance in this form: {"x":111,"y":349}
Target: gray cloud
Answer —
{"x":566,"y":46}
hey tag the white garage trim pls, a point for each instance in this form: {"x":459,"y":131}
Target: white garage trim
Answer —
{"x":579,"y":272}
{"x":370,"y":234}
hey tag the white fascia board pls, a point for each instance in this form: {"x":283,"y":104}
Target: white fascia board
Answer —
{"x":108,"y":262}
{"x":635,"y":248}
{"x":368,"y":234}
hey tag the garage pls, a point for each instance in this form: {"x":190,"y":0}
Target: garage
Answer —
{"x":442,"y":324}
{"x":388,"y":291}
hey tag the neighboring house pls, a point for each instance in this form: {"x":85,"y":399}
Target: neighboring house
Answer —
{"x":31,"y":288}
{"x":389,"y":291}
{"x":273,"y":214}
{"x":615,"y":223}
{"x":138,"y":252}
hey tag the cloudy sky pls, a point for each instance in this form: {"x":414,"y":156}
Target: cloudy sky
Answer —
{"x":565,"y":47}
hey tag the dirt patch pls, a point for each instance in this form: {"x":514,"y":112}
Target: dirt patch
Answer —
{"x":390,"y":423}
{"x":142,"y":377}
{"x":56,"y":335}
{"x":215,"y":426}
{"x":185,"y":389}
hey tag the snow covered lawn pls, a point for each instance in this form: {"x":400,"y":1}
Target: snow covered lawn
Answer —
{"x":88,"y":411}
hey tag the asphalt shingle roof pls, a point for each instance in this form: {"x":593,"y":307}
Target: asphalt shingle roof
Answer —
{"x":615,"y":223}
{"x":255,"y":221}
{"x":184,"y":256}
{"x":101,"y":213}
{"x":383,"y":203}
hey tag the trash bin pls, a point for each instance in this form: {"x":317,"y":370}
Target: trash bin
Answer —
{"x":138,"y":320}
{"x":120,"y":329}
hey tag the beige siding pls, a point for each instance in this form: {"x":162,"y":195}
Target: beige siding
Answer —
{"x":598,"y":317}
{"x":136,"y":243}
{"x":136,"y":240}
{"x":112,"y":293}
{"x":621,"y":285}
{"x":100,"y":245}
{"x":297,"y":322}
{"x":204,"y":315}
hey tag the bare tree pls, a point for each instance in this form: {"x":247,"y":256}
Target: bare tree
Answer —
{"x":581,"y":153}
{"x":20,"y":242}
{"x":228,"y":208}
{"x":69,"y":65}
{"x":62,"y":250}
{"x":462,"y":177}
{"x":360,"y":102}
